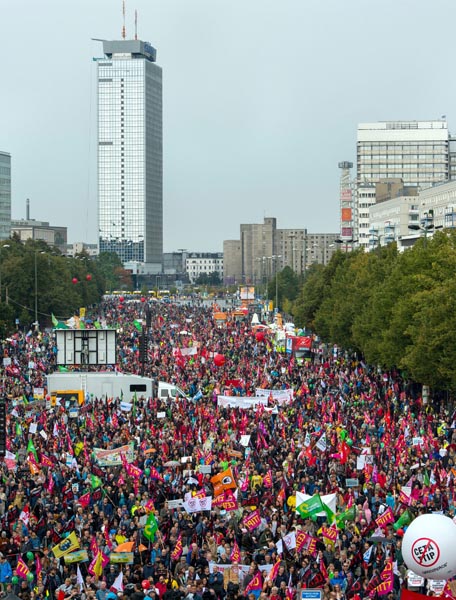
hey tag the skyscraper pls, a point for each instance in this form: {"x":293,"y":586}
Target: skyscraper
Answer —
{"x":130,"y":153}
{"x":5,"y":195}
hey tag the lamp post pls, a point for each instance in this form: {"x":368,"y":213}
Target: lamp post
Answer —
{"x":346,"y":243}
{"x":36,"y":286}
{"x":1,"y":248}
{"x":426,"y":224}
{"x":274,"y":257}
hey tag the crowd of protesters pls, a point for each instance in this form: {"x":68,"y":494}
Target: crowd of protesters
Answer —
{"x":52,"y":484}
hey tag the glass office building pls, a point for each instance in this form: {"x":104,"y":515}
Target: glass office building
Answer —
{"x":130,"y":152}
{"x":5,"y":195}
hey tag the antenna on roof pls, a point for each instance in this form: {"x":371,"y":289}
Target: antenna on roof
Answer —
{"x":123,"y":14}
{"x":136,"y":24}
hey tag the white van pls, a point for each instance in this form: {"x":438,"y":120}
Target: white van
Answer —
{"x":113,"y":385}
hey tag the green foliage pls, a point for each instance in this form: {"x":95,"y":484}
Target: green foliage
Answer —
{"x":36,"y":277}
{"x":209,"y":278}
{"x":397,"y":309}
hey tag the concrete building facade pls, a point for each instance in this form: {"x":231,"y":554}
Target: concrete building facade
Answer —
{"x":5,"y":195}
{"x":199,"y":263}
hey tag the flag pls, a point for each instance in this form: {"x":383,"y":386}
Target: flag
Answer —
{"x":385,"y":518}
{"x":321,"y":444}
{"x":117,"y":584}
{"x":387,"y":580}
{"x":252,"y":520}
{"x":178,"y":549}
{"x":31,"y":449}
{"x":21,"y":569}
{"x":154,"y":474}
{"x":426,"y":480}
{"x":54,"y":320}
{"x":137,"y":324}
{"x":84,"y":500}
{"x":274,"y":571}
{"x":45,"y":461}
{"x":347,"y":515}
{"x":151,"y":527}
{"x":69,"y":544}
{"x":223,"y":481}
{"x":98,"y":566}
{"x":235,"y":555}
{"x":310,"y":508}
{"x":367,"y":555}
{"x":80,"y":579}
{"x":38,"y":567}
{"x":133,"y":410}
{"x":95,"y":481}
{"x":405,"y":519}
{"x":25,"y":515}
{"x":307,"y":440}
{"x":256,"y":584}
{"x":267,"y":479}
{"x":197,"y":396}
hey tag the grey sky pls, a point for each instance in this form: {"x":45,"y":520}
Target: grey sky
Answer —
{"x":261,"y":101}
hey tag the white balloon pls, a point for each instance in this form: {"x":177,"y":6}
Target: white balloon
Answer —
{"x":429,"y":545}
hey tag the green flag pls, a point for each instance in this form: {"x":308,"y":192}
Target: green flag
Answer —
{"x":95,"y":481}
{"x":24,"y":399}
{"x":133,"y":410}
{"x":151,"y":527}
{"x":426,"y":480}
{"x":137,"y":324}
{"x":311,"y":507}
{"x":31,"y":449}
{"x":347,"y":515}
{"x":18,"y":429}
{"x":97,"y":325}
{"x":63,"y":369}
{"x":54,"y":320}
{"x":405,"y":519}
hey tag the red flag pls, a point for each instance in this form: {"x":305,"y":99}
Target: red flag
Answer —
{"x":408,"y":595}
{"x":274,"y":571}
{"x":84,"y":500}
{"x":38,"y":567}
{"x":45,"y":461}
{"x":255,"y":584}
{"x":235,"y":555}
{"x":178,"y":549}
{"x":21,"y":569}
{"x":267,"y":480}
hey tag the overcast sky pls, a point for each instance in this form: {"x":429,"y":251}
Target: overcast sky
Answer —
{"x":261,"y":100}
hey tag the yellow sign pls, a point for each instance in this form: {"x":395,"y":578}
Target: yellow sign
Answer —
{"x":74,"y":557}
{"x":67,"y":545}
{"x":123,"y":558}
{"x":82,"y":313}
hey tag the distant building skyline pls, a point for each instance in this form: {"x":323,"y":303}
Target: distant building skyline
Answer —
{"x":130,"y":153}
{"x":5,"y":195}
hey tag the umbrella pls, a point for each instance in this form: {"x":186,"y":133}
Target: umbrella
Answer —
{"x":125,"y":547}
{"x":172,"y":463}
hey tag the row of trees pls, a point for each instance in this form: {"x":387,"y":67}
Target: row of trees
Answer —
{"x":36,"y":278}
{"x":396,"y":309}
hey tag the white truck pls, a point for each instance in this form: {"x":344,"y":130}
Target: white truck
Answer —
{"x":112,"y":385}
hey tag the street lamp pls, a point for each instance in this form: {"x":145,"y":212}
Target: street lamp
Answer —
{"x":274,"y":257}
{"x":36,"y":286}
{"x":426,"y":224}
{"x":1,"y":248}
{"x":346,"y":243}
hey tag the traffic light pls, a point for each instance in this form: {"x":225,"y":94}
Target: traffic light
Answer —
{"x":2,"y":427}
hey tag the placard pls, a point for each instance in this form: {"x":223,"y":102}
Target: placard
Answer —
{"x":74,"y":557}
{"x":161,"y":415}
{"x":172,"y":504}
{"x":33,"y":428}
{"x":352,"y":482}
{"x":121,"y":558}
{"x":205,"y":469}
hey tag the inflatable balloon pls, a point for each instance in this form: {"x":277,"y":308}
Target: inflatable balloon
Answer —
{"x":88,"y":277}
{"x":74,"y":280}
{"x":30,"y":555}
{"x":147,"y":471}
{"x":219,"y":360}
{"x":121,"y":299}
{"x":259,"y":336}
{"x":14,"y":579}
{"x":143,"y":299}
{"x":30,"y":577}
{"x":428,"y":546}
{"x":145,"y":584}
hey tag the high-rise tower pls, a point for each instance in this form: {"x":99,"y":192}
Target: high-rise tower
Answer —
{"x":130,"y":152}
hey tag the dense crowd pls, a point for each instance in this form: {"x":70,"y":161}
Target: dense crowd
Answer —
{"x":332,"y":429}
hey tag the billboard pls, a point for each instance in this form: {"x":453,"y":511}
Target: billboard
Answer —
{"x":347,"y":232}
{"x":247,"y":292}
{"x":346,"y":214}
{"x":86,"y":346}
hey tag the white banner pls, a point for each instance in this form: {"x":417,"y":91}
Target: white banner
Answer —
{"x":289,"y":540}
{"x":198,"y":504}
{"x":280,"y":396}
{"x":240,"y":401}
